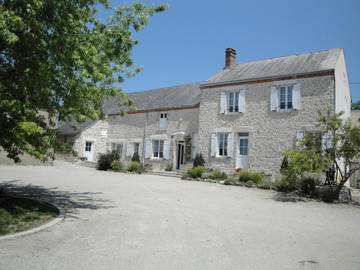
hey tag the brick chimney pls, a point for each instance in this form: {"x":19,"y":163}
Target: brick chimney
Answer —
{"x":230,"y":58}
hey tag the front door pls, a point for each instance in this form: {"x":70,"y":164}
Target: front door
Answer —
{"x":242,"y":151}
{"x":180,"y":155}
{"x":89,"y":151}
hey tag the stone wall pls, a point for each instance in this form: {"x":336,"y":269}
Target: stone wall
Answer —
{"x":270,"y":133}
{"x":130,"y":128}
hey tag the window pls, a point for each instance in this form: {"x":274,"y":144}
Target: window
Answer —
{"x":136,"y":148}
{"x":285,"y":96}
{"x":243,"y":144}
{"x":117,"y":147}
{"x":103,"y":132}
{"x":223,"y":144}
{"x":232,"y":102}
{"x":158,"y":148}
{"x":233,"y":99}
{"x":163,"y":121}
{"x":88,"y":146}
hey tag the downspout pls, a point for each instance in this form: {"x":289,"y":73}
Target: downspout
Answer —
{"x":144,"y":139}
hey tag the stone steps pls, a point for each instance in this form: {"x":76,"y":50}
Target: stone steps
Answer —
{"x":88,"y":164}
{"x":165,"y":173}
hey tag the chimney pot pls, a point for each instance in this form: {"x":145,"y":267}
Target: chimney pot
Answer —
{"x":230,"y":58}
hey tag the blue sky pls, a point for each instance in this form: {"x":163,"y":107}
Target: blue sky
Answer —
{"x":186,"y":43}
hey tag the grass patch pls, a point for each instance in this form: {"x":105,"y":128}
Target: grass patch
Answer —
{"x":20,"y":214}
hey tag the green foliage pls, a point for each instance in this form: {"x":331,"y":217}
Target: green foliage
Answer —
{"x":218,"y":175}
{"x":308,"y":185}
{"x":105,"y":160}
{"x":285,"y":184}
{"x":58,"y":60}
{"x":17,"y":214}
{"x":355,"y":105}
{"x":245,"y":176}
{"x":169,"y":167}
{"x":135,"y":157}
{"x":196,"y":172}
{"x":340,"y":143}
{"x":188,"y":146}
{"x":135,"y":167}
{"x":198,"y":160}
{"x":117,"y":166}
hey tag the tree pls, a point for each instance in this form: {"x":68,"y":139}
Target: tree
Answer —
{"x":59,"y":61}
{"x":338,"y":154}
{"x":355,"y":105}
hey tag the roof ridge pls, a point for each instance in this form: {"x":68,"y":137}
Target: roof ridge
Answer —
{"x":157,"y":89}
{"x":297,"y":54}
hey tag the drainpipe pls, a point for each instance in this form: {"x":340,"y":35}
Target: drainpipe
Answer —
{"x":144,"y":139}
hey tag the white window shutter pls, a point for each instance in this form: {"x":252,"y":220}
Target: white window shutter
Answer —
{"x":299,"y":137}
{"x":296,"y":97}
{"x":148,"y":149}
{"x":213,"y":144}
{"x":242,"y":101}
{"x":274,"y":99}
{"x":230,"y":144}
{"x":167,"y":149}
{"x":128,"y":149}
{"x":223,"y":103}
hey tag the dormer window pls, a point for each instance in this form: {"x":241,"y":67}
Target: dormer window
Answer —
{"x":163,"y":121}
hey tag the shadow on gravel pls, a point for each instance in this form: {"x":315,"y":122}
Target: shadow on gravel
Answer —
{"x":71,"y":202}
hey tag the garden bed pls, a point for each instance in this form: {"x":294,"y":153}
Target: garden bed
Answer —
{"x":20,"y":214}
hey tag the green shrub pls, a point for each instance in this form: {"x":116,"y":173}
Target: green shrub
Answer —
{"x":218,"y":175}
{"x":308,"y":185}
{"x":105,"y":160}
{"x":117,"y":166}
{"x":135,"y":157}
{"x":135,"y":167}
{"x":198,"y":161}
{"x":286,"y":184}
{"x":169,"y":167}
{"x":245,"y":176}
{"x":196,"y":172}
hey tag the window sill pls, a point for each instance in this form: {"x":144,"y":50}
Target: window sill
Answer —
{"x":222,"y":157}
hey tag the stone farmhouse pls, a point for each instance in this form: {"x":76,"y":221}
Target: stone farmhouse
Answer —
{"x":243,"y":117}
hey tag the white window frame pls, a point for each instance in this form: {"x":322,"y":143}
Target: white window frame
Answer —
{"x":160,"y":149}
{"x":235,"y":101}
{"x":287,"y":107}
{"x":222,"y":145}
{"x":103,"y":132}
{"x":163,"y":120}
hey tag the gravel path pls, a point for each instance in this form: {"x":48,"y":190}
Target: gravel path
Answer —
{"x":124,"y":221}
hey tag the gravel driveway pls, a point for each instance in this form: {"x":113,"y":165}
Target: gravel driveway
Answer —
{"x":124,"y":221}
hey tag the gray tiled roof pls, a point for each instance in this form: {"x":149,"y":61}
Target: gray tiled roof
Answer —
{"x":67,"y":128}
{"x":169,"y":97}
{"x":280,"y":66}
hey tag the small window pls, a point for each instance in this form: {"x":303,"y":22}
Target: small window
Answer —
{"x":233,"y":98}
{"x":163,"y":121}
{"x":158,"y":148}
{"x":285,"y":97}
{"x":223,"y":144}
{"x":88,"y":146}
{"x":103,"y":132}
